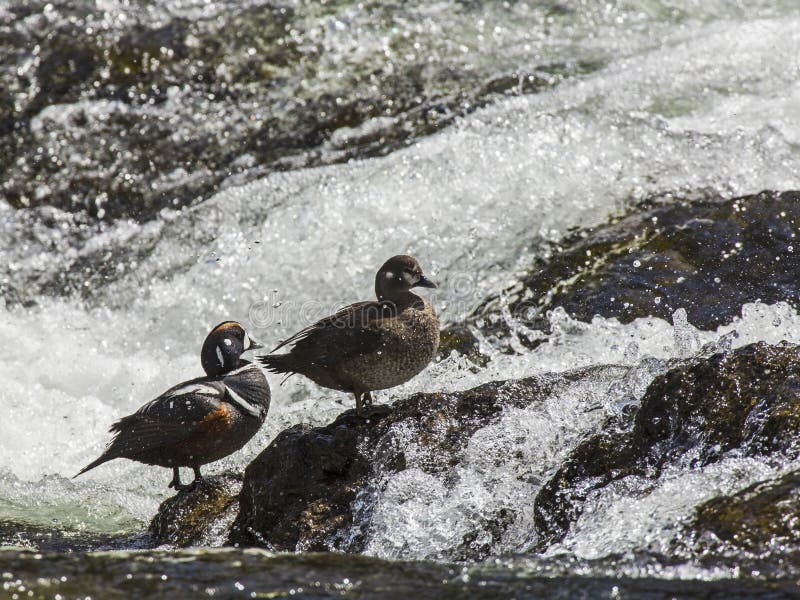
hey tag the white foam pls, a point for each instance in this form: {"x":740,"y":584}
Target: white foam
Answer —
{"x":506,"y":462}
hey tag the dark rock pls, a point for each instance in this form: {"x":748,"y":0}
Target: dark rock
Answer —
{"x":301,"y":492}
{"x":708,"y":256}
{"x":458,"y":337}
{"x":198,"y":516}
{"x":478,"y":543}
{"x":313,"y":489}
{"x":747,"y":400}
{"x":759,"y":520}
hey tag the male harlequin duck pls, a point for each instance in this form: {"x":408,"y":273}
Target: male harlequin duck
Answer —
{"x":368,"y":345}
{"x":202,"y":420}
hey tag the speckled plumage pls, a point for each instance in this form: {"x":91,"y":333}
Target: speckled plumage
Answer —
{"x":370,"y":345}
{"x":198,"y":421}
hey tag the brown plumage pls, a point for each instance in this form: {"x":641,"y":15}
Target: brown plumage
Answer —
{"x":370,"y":345}
{"x":198,"y":421}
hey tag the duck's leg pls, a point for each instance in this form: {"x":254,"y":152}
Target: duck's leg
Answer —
{"x":359,"y":404}
{"x":176,"y":480}
{"x":198,"y":477}
{"x":367,"y":399}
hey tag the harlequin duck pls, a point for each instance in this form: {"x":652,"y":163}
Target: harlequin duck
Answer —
{"x":368,"y":345}
{"x":198,"y":421}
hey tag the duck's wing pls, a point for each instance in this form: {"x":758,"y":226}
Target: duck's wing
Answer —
{"x":353,"y":330}
{"x":175,"y":415}
{"x":248,"y":389}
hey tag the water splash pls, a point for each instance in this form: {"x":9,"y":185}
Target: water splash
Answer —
{"x":472,"y":202}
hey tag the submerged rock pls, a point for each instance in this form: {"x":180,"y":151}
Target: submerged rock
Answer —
{"x":233,"y":574}
{"x":56,"y":538}
{"x":199,"y":516}
{"x":708,"y":256}
{"x":746,"y":401}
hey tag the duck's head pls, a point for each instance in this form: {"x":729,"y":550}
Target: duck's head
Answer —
{"x":223,"y":348}
{"x":398,"y":275}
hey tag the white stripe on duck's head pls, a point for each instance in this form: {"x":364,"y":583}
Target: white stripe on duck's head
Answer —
{"x":223,"y":348}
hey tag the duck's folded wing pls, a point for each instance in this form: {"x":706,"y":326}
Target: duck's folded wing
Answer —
{"x":248,"y":389}
{"x":174,"y":416}
{"x":353,"y":330}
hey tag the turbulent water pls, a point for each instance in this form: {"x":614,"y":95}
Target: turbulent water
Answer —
{"x":679,"y":97}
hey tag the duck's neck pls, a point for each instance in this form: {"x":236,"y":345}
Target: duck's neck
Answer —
{"x":401,"y":300}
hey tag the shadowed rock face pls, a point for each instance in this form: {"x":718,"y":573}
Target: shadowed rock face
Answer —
{"x":747,"y":400}
{"x":307,"y":490}
{"x":707,"y":256}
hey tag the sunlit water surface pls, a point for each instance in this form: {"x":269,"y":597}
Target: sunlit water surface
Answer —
{"x":704,"y":96}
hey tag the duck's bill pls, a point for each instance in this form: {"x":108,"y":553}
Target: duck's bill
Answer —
{"x":253,"y":345}
{"x":425,"y":282}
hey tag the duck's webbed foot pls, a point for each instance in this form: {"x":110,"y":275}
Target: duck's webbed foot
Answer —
{"x":176,"y":480}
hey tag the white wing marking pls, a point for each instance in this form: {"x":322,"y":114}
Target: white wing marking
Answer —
{"x":195,"y":388}
{"x":243,"y":368}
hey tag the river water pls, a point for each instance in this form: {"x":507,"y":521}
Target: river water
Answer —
{"x":103,"y":308}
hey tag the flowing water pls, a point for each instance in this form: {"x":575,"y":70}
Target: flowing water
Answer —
{"x":100,"y":315}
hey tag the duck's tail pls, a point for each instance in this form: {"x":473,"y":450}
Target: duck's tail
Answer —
{"x":279,"y":363}
{"x":93,"y":464}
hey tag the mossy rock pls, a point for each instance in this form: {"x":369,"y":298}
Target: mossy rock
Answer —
{"x":459,"y":338}
{"x":192,"y":517}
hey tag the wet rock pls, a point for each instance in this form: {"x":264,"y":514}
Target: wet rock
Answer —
{"x":478,"y":543}
{"x":709,"y":256}
{"x":759,"y":520}
{"x":746,"y":401}
{"x":458,"y":337}
{"x":301,"y":492}
{"x":199,"y":516}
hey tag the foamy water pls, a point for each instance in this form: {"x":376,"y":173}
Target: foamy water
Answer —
{"x":707,"y":103}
